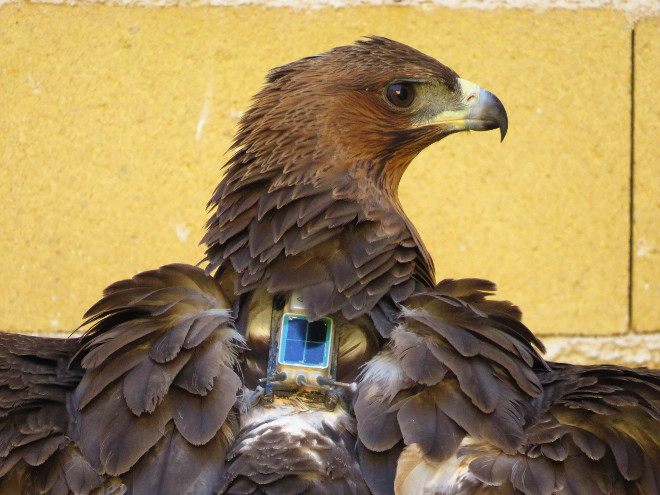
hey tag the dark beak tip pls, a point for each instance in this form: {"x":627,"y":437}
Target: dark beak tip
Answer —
{"x":503,"y":128}
{"x":499,"y":114}
{"x":491,"y":113}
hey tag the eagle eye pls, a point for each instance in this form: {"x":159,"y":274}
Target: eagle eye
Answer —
{"x":400,"y":94}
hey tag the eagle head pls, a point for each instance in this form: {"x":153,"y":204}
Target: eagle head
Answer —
{"x":365,"y":109}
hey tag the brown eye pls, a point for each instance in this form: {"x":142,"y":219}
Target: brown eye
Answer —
{"x":401,"y":94}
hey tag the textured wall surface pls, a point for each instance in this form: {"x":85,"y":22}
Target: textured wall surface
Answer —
{"x":646,"y":246}
{"x":115,"y":120}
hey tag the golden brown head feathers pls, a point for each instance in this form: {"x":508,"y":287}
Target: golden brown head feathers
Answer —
{"x":333,"y":110}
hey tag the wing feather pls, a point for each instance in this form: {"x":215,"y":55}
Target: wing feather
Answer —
{"x":199,"y":417}
{"x":422,"y":422}
{"x":454,"y":372}
{"x":199,"y":373}
{"x":160,"y":384}
{"x":146,"y":385}
{"x":35,"y":380}
{"x":175,"y":467}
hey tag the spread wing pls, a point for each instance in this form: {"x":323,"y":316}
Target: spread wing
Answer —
{"x":156,"y":403}
{"x":458,"y":367}
{"x":464,"y":396}
{"x":595,"y":432}
{"x":36,"y":453}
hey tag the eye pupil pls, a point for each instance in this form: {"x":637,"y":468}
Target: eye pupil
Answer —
{"x":401,"y":94}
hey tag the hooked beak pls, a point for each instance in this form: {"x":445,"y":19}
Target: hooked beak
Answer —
{"x":486,"y":111}
{"x":477,"y":110}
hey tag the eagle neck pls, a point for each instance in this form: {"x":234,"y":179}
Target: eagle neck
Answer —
{"x":340,"y":237}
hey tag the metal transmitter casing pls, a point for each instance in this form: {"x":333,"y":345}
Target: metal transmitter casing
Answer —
{"x":303,"y":354}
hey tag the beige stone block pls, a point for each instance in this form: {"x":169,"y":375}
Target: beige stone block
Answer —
{"x":646,"y":245}
{"x":115,"y":121}
{"x":632,"y":350}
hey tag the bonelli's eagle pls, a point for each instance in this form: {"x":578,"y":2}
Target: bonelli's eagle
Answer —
{"x":316,"y":354}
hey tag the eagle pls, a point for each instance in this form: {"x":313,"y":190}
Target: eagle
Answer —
{"x":314,"y":352}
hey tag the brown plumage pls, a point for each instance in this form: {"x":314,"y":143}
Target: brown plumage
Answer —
{"x":164,"y":393}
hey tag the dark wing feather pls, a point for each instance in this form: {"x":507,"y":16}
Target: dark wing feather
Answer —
{"x":175,"y":467}
{"x":453,"y":369}
{"x":199,"y":417}
{"x":379,"y":469}
{"x":471,"y":369}
{"x":604,"y":418}
{"x":418,"y":359}
{"x":36,"y":453}
{"x":378,"y":427}
{"x":146,"y":385}
{"x":423,"y":422}
{"x":160,"y":384}
{"x":124,"y":437}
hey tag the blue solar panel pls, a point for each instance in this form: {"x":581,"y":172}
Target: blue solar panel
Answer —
{"x":317,"y":331}
{"x":297,"y":329}
{"x":315,"y":353}
{"x":303,"y":343}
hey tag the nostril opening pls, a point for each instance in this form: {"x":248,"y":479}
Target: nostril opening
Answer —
{"x":471,"y":99}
